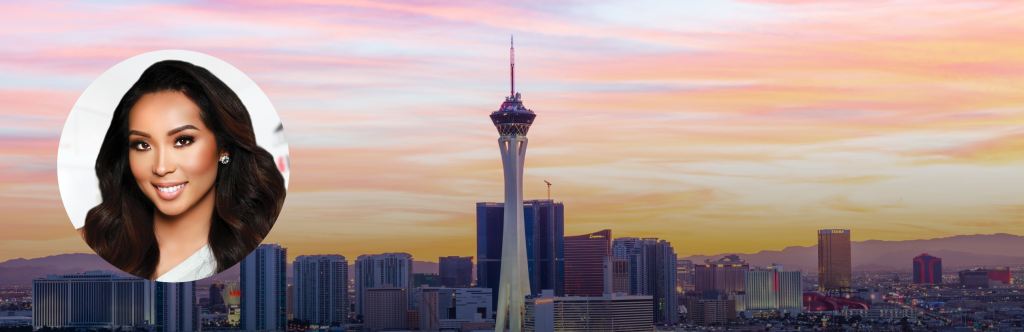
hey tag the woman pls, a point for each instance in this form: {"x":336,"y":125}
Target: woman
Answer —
{"x":186,"y":191}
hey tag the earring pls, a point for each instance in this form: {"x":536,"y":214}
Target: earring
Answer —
{"x":224,"y":160}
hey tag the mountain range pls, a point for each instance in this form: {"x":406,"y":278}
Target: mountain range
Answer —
{"x":955,"y":251}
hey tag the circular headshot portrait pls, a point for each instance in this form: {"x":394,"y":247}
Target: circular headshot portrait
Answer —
{"x":173,"y":166}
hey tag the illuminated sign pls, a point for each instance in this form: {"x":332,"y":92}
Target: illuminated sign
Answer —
{"x":235,"y":293}
{"x":595,"y":236}
{"x":543,"y":301}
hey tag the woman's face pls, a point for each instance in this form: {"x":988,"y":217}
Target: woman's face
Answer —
{"x":172,"y":154}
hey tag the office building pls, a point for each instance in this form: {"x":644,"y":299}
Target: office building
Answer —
{"x":320,"y":288}
{"x":264,"y":289}
{"x":709,"y":312}
{"x":726,"y":275}
{"x":543,"y":221}
{"x":616,"y":275}
{"x":772,"y":289}
{"x":385,"y":308}
{"x":456,"y":271}
{"x":609,"y":312}
{"x":94,"y":299}
{"x":652,"y":271}
{"x":428,"y":279}
{"x":384,"y":269}
{"x":584,"y":263}
{"x":927,"y":269}
{"x":175,"y":307}
{"x":834,"y":264}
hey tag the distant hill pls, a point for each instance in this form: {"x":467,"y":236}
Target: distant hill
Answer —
{"x":21,"y":271}
{"x":960,"y":250}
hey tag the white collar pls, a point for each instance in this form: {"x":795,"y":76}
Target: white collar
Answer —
{"x":198,"y":266}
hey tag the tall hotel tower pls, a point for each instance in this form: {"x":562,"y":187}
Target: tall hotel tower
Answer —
{"x":513,"y":121}
{"x":834,"y":265}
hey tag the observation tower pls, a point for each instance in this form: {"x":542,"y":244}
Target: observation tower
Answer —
{"x":513,"y":121}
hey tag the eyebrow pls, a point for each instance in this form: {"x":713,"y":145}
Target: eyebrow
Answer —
{"x":180,"y":129}
{"x":169,"y":133}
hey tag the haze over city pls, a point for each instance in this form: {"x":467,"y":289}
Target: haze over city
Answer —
{"x":720,"y":127}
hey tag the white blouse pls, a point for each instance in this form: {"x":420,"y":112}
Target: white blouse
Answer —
{"x":198,"y":266}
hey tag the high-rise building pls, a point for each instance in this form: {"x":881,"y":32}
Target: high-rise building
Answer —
{"x":684,"y":272}
{"x":263,"y":288}
{"x":609,"y":312}
{"x":216,"y":299}
{"x":429,"y":279}
{"x":385,"y":308}
{"x":834,"y":265}
{"x":377,"y":270}
{"x":290,"y":299}
{"x":175,"y":307}
{"x":92,"y":299}
{"x":455,"y":271}
{"x":616,"y":275}
{"x":726,"y":275}
{"x":927,"y":269}
{"x":320,"y":289}
{"x":543,"y":220}
{"x":772,"y":289}
{"x":652,"y":271}
{"x":584,"y":263}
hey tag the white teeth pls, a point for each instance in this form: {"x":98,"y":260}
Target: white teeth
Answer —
{"x":170,"y":189}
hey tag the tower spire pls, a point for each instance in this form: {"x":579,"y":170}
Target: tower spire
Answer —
{"x":512,"y":64}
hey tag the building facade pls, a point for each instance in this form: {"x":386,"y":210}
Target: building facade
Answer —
{"x":543,"y":222}
{"x":652,"y":271}
{"x":440,"y":305}
{"x":455,"y":271}
{"x":684,"y":272}
{"x":320,"y":289}
{"x":428,"y":279}
{"x":263,"y":287}
{"x":609,"y":312}
{"x":175,"y":307}
{"x":726,"y":275}
{"x":616,"y":275}
{"x":385,"y":308}
{"x":927,"y":269}
{"x":378,"y":270}
{"x":584,"y":263}
{"x":835,"y":272}
{"x":772,"y":289}
{"x":91,"y":299}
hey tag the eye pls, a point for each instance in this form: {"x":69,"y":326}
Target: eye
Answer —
{"x":183,"y":141}
{"x":140,"y":145}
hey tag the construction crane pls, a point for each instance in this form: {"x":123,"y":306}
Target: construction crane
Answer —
{"x":549,"y":188}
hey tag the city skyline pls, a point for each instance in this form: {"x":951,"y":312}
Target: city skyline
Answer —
{"x":741,"y":133}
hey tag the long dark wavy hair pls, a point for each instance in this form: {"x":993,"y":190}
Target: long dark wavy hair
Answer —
{"x":249,"y":189}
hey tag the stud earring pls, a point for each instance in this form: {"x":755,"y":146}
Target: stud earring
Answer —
{"x":224,"y":160}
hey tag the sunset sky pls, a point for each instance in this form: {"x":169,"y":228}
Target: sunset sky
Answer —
{"x":720,"y":126}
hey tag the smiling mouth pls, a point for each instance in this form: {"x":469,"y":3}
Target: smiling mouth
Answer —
{"x":169,"y":192}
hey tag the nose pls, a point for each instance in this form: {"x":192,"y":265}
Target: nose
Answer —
{"x":164,"y":163}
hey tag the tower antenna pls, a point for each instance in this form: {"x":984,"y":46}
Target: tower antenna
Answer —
{"x":549,"y":188}
{"x":512,"y":63}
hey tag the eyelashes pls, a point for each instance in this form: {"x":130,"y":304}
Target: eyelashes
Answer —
{"x":184,"y":140}
{"x":179,"y":142}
